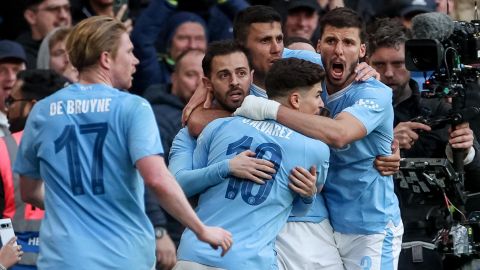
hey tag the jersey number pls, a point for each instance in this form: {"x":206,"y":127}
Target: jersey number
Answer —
{"x":246,"y":186}
{"x":68,"y":140}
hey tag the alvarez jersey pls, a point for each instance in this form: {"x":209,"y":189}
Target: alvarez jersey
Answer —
{"x":253,"y":213}
{"x":359,"y":199}
{"x":84,"y":141}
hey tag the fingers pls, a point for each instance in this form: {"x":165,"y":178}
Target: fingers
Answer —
{"x":226,"y":244}
{"x":12,"y":241}
{"x":302,"y":181}
{"x":364,"y":72}
{"x":462,"y":137}
{"x":121,"y":12}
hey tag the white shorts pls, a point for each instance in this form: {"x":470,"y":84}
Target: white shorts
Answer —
{"x":188,"y":265}
{"x":307,"y":246}
{"x":374,"y":251}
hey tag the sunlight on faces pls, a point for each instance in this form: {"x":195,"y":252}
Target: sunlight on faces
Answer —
{"x":265,"y":44}
{"x":390,"y":63}
{"x":123,"y":65}
{"x":230,"y":79}
{"x":189,"y":35}
{"x":341,"y":50}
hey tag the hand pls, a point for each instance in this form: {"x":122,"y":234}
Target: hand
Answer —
{"x":128,"y":22}
{"x":461,"y":137}
{"x":246,"y":166}
{"x":365,"y":72}
{"x":303,"y":182}
{"x":389,"y":165}
{"x":216,"y":237}
{"x":406,"y":133}
{"x":10,"y":253}
{"x":166,"y":252}
{"x":258,"y":108}
{"x":201,"y":95}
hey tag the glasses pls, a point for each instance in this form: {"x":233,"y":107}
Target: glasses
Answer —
{"x":55,"y":9}
{"x":10,"y":100}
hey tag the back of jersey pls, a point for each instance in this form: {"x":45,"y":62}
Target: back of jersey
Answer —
{"x":83,"y":142}
{"x":253,"y":213}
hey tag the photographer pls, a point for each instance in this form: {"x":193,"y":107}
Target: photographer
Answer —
{"x":387,"y":55}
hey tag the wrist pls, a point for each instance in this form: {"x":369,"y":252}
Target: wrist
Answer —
{"x":160,"y":232}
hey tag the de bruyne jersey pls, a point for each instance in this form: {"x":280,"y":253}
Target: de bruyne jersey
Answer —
{"x":253,"y":213}
{"x":84,"y":141}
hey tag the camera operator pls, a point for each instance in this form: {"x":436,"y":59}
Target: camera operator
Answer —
{"x":387,"y":55}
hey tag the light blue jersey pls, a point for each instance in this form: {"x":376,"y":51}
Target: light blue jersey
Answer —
{"x":84,"y":141}
{"x":253,"y":213}
{"x":359,"y":199}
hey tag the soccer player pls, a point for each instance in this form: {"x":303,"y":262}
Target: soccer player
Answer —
{"x":363,"y":207}
{"x":255,"y":213}
{"x":88,"y":143}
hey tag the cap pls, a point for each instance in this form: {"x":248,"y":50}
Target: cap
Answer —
{"x":415,"y":7}
{"x":310,"y":4}
{"x":12,"y":50}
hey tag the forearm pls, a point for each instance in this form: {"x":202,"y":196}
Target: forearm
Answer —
{"x":195,"y":181}
{"x":32,"y":191}
{"x":153,"y":210}
{"x":173,"y":200}
{"x":321,"y":128}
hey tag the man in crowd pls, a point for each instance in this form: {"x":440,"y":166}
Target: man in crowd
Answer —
{"x":417,"y":140}
{"x":229,"y":76}
{"x":42,"y":16}
{"x":12,"y":60}
{"x":363,"y":208}
{"x":302,"y":19}
{"x":102,"y":139}
{"x":30,"y":87}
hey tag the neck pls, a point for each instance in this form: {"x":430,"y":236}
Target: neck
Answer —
{"x":36,"y":35}
{"x":176,"y":92}
{"x":259,"y":80}
{"x":100,"y":9}
{"x":332,"y":88}
{"x":94,"y":76}
{"x":402,"y":94}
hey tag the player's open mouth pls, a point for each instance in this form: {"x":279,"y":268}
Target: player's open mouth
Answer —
{"x":236,"y":95}
{"x":337,"y":70}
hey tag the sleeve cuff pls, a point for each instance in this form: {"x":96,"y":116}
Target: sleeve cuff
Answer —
{"x":468,"y":159}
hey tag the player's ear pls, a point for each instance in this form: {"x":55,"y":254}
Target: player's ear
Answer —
{"x":294,"y":100}
{"x":207,"y":83}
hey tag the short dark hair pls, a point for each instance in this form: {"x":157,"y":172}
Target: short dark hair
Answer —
{"x":32,"y":4}
{"x":40,"y":83}
{"x":290,"y":73}
{"x":290,"y":40}
{"x":223,"y":47}
{"x":343,"y":17}
{"x":253,"y":14}
{"x":387,"y":33}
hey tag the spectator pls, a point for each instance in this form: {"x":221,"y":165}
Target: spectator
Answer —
{"x":299,"y":43}
{"x":417,"y":140}
{"x":12,"y":60}
{"x":302,"y":19}
{"x":42,"y":16}
{"x":411,"y":8}
{"x":100,"y":217}
{"x":177,"y":31}
{"x":53,"y":54}
{"x":31,"y":86}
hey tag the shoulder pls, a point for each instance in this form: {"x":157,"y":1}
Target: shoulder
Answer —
{"x":373,"y":88}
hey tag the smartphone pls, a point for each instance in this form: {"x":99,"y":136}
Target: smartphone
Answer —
{"x":6,"y":231}
{"x":117,"y":4}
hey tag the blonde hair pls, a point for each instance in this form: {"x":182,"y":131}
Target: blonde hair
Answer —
{"x":91,"y":37}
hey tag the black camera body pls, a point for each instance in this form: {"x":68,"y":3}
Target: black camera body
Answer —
{"x":461,"y":47}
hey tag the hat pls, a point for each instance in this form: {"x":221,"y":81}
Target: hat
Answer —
{"x":12,"y":50}
{"x":310,"y":4}
{"x":415,"y":7}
